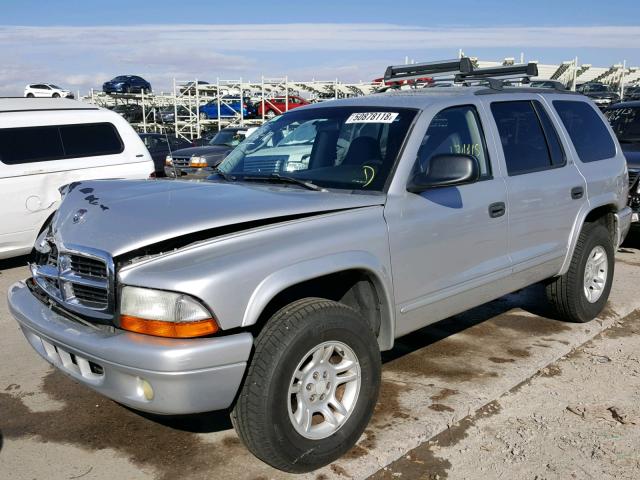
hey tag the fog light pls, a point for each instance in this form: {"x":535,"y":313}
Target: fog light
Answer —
{"x":145,"y":388}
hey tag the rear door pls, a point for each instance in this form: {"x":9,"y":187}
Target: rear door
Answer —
{"x":599,"y":160}
{"x":41,"y":90}
{"x":545,"y":189}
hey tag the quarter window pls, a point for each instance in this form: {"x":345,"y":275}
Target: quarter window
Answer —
{"x":455,"y":130}
{"x":588,"y":132}
{"x":40,"y":144}
{"x":522,"y":126}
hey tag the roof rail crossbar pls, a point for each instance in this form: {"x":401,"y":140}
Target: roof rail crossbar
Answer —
{"x":497,"y":77}
{"x":422,"y":70}
{"x":511,"y":71}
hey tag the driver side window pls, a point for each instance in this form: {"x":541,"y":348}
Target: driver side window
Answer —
{"x":455,"y":130}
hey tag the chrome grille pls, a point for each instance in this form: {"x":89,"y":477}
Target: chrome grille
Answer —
{"x":181,"y":162}
{"x":264,"y":163}
{"x":80,"y":279}
{"x":88,"y":266}
{"x":90,"y":296}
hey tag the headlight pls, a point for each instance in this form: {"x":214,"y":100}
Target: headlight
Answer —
{"x":198,"y":162}
{"x":164,"y":314}
{"x":168,"y":160}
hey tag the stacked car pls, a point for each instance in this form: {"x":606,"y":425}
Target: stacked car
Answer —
{"x":127,"y":84}
{"x":46,"y":90}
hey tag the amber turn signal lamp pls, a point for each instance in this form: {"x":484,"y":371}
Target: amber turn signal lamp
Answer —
{"x":159,"y":328}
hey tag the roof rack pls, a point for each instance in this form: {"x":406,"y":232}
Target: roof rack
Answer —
{"x":462,"y":71}
{"x":421,"y":70}
{"x":496,"y":77}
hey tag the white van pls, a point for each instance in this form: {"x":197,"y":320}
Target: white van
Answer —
{"x":48,"y":143}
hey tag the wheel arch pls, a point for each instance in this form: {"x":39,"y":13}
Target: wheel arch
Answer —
{"x":603,"y":213}
{"x":356,"y":279}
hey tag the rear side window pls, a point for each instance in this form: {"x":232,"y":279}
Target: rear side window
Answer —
{"x":41,"y":144}
{"x":588,"y":132}
{"x":90,"y":140}
{"x":529,"y":140}
{"x":25,"y":145}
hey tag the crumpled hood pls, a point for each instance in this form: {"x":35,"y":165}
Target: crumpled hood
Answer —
{"x":118,"y":216}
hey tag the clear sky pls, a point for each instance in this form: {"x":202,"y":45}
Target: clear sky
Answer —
{"x":82,"y":43}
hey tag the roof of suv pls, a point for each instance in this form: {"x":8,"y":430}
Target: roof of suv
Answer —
{"x":422,"y":97}
{"x":19,"y":104}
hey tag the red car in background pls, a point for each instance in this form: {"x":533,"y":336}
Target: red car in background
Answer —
{"x":278,"y":105}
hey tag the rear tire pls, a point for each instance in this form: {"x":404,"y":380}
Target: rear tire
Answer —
{"x":293,"y":378}
{"x":30,"y":95}
{"x":580,"y":294}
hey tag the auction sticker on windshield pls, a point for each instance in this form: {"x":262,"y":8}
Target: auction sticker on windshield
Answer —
{"x":372,"y":117}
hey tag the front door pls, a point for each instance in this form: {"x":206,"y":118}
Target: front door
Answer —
{"x":448,"y":243}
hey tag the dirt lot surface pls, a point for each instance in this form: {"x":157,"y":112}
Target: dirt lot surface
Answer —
{"x":577,"y":418}
{"x":534,"y":398}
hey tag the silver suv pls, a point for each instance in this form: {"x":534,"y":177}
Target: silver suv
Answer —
{"x":338,"y":227}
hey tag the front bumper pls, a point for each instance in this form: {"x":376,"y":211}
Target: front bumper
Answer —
{"x":623,"y":224}
{"x":187,"y":376}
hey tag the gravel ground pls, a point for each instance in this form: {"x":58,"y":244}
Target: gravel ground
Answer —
{"x":578,"y":418}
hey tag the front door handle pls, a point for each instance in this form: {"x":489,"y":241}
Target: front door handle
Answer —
{"x":497,"y":209}
{"x":577,"y":192}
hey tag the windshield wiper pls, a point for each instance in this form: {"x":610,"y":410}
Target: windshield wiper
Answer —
{"x":276,"y":177}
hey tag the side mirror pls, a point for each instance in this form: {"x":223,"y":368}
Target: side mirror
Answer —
{"x":446,"y":170}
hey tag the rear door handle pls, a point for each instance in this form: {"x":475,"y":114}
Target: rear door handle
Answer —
{"x":577,"y":192}
{"x":497,"y":209}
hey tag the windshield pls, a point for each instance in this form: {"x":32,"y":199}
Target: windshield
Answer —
{"x":229,"y":138}
{"x":625,"y":123}
{"x":335,"y":147}
{"x":54,"y":86}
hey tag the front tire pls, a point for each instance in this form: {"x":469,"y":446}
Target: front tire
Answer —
{"x":311,"y":386}
{"x":270,"y":114}
{"x":55,"y":95}
{"x":581,"y":293}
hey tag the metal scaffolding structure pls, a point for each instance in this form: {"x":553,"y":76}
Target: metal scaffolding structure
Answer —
{"x":199,"y":106}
